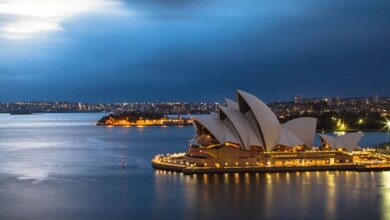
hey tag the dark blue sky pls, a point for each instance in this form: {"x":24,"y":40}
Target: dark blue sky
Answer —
{"x":192,"y":50}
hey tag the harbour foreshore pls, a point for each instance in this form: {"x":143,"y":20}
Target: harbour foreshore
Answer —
{"x":177,"y":165}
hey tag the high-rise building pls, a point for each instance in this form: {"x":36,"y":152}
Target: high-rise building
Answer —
{"x":298,"y":100}
{"x":338,"y":101}
{"x":329,"y":101}
{"x":367,"y":101}
{"x":375,"y":98}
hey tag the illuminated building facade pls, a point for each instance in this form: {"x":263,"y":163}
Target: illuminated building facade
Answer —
{"x":247,"y":135}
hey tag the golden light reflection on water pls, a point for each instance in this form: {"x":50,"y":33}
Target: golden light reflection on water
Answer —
{"x":385,"y":193}
{"x":331,"y":194}
{"x":330,"y":197}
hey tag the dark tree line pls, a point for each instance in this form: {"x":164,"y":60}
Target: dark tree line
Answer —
{"x":351,"y":121}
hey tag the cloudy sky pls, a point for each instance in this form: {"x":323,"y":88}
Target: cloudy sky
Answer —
{"x":192,"y":50}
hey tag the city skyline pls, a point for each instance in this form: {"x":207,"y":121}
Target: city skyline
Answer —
{"x":297,"y":105}
{"x":108,"y":51}
{"x":373,"y":97}
{"x":193,"y":109}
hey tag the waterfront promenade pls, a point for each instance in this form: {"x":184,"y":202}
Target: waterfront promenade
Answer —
{"x":176,"y":163}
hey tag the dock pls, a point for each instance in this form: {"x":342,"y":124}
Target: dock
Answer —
{"x":175,"y":164}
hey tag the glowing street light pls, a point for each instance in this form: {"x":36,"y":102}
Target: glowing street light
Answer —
{"x":342,"y":126}
{"x":387,"y":124}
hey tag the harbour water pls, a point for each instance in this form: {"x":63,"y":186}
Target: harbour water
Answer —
{"x":61,"y":166}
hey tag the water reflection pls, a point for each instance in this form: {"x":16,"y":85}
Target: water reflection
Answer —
{"x":58,"y":166}
{"x":325,"y":195}
{"x":385,"y":195}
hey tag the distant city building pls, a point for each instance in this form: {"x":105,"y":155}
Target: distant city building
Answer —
{"x":329,"y":101}
{"x":297,"y":107}
{"x":375,"y":98}
{"x":298,"y":100}
{"x":338,"y":101}
{"x":367,"y":101}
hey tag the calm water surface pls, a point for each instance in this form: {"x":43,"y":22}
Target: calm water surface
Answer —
{"x":61,"y":166}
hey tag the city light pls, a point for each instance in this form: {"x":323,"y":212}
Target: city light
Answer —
{"x":341,"y":148}
{"x":387,"y":124}
{"x":341,"y":126}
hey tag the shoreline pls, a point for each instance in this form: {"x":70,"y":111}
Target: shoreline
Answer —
{"x":188,"y":125}
{"x":188,"y":170}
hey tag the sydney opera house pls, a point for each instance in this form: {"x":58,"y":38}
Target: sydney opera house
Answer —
{"x":245,"y":135}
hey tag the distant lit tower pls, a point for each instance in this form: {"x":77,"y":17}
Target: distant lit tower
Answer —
{"x":298,"y":100}
{"x":367,"y":101}
{"x":329,"y":101}
{"x":338,"y":101}
{"x":375,"y":98}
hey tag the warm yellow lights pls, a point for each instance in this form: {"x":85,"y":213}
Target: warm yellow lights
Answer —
{"x":341,"y":126}
{"x":360,"y":121}
{"x":387,"y":124}
{"x":229,"y":144}
{"x":173,"y":161}
{"x":145,"y":122}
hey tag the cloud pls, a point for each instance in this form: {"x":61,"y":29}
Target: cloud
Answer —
{"x":174,"y":49}
{"x":26,"y":18}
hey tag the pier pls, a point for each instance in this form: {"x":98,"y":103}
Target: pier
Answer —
{"x":177,"y":163}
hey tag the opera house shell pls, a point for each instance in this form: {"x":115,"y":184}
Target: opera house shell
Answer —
{"x":249,"y":124}
{"x":246,"y":136}
{"x":348,"y":142}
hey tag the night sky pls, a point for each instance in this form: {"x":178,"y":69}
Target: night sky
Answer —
{"x":192,"y":50}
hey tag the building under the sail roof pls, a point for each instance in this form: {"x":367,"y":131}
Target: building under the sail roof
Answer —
{"x":247,"y":135}
{"x":348,"y":142}
{"x":250,"y":125}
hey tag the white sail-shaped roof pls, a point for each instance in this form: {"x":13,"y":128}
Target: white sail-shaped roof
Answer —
{"x":229,"y":134}
{"x":347,"y":141}
{"x":231,"y":104}
{"x":269,"y":125}
{"x":304,"y":128}
{"x":217,"y":128}
{"x":329,"y":140}
{"x":214,"y":115}
{"x":287,"y":138}
{"x":214,"y":126}
{"x":350,"y":141}
{"x":242,"y":126}
{"x":250,"y":122}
